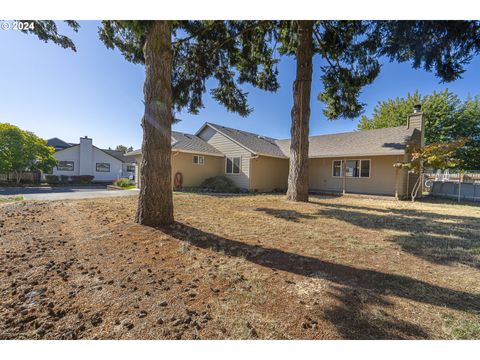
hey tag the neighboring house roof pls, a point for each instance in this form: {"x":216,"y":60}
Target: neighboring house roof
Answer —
{"x":256,"y":144}
{"x":58,"y":143}
{"x":387,"y":141}
{"x":120,"y":155}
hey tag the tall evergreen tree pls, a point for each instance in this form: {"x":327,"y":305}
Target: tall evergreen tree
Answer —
{"x":350,"y":52}
{"x":179,"y":56}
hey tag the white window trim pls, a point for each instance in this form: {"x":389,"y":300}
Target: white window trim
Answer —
{"x":109,"y":167}
{"x":73,"y":167}
{"x":198,"y":163}
{"x":239,"y":165}
{"x":342,"y":169}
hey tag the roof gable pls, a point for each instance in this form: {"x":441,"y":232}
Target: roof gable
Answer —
{"x":192,"y":143}
{"x":58,"y":143}
{"x":254,"y":143}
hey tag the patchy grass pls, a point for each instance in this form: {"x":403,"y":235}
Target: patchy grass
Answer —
{"x":463,"y":329}
{"x":8,"y":199}
{"x":241,"y":267}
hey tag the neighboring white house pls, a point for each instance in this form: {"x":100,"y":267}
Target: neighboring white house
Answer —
{"x":86,"y":159}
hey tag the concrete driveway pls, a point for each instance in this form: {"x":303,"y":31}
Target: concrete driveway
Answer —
{"x":65,"y":193}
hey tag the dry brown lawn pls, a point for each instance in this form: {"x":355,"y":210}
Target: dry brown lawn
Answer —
{"x":241,"y":267}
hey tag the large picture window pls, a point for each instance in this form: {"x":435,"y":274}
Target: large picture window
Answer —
{"x":102,"y":167}
{"x":232,"y":165}
{"x":353,"y":168}
{"x":65,"y":166}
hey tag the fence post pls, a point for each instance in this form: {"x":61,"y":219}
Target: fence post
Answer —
{"x":460,"y":180}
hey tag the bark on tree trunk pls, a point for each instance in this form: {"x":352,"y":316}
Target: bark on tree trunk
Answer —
{"x":155,"y":203}
{"x":298,"y":172}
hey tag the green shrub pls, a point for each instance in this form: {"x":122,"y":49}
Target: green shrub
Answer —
{"x":220,"y":184}
{"x":123,"y":183}
{"x":52,"y":179}
{"x":64,"y":179}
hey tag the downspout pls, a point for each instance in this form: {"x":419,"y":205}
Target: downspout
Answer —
{"x":255,"y":156}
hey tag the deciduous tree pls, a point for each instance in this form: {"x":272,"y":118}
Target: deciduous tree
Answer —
{"x":441,"y":155}
{"x":22,"y":151}
{"x":447,"y":118}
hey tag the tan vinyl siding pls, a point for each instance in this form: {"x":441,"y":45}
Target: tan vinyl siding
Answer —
{"x":231,"y":149}
{"x":268,"y":173}
{"x":194,"y":174}
{"x":381,"y":180}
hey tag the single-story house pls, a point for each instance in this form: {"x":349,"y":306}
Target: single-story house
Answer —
{"x":351,"y":162}
{"x":86,"y":159}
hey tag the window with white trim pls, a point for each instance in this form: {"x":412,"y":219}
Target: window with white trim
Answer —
{"x":65,"y":166}
{"x":102,"y":167}
{"x":232,"y":165}
{"x":352,"y":168}
{"x":198,"y":159}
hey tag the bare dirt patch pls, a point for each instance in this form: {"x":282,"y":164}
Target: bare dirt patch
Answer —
{"x":242,"y":267}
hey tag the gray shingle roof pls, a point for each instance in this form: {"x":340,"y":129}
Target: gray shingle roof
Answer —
{"x":58,"y":144}
{"x":119,"y":155}
{"x":186,"y":142}
{"x":387,"y":141}
{"x":257,"y":144}
{"x":189,"y":142}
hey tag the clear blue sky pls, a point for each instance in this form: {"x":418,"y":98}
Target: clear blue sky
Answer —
{"x":58,"y":93}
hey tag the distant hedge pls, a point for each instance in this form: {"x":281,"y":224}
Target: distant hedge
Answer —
{"x":64,"y":179}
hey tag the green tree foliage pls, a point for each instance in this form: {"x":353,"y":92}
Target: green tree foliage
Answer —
{"x":22,"y":151}
{"x":47,"y":30}
{"x":440,"y":155}
{"x":443,"y":47}
{"x":123,"y":148}
{"x":231,"y":52}
{"x":447,"y":118}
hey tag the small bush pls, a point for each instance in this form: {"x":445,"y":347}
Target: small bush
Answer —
{"x":82,"y":179}
{"x":64,"y":179}
{"x":52,"y":179}
{"x":123,"y":183}
{"x":220,"y":184}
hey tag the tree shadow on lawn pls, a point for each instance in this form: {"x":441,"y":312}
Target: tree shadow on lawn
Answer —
{"x":290,"y":215}
{"x":378,"y":282}
{"x":442,"y":239}
{"x":360,"y":314}
{"x":351,"y":317}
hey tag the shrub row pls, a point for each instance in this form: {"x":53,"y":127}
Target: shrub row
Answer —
{"x":64,"y":179}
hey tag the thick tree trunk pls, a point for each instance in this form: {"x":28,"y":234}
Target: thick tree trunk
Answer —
{"x":298,"y":172}
{"x":155,"y":203}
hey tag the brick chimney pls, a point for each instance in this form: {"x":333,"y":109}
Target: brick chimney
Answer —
{"x":416,"y":121}
{"x":86,"y":156}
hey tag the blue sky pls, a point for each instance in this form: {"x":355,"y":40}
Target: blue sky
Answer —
{"x":58,"y":93}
